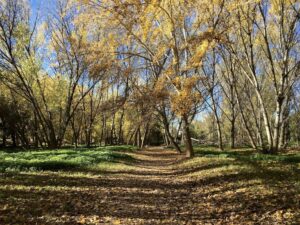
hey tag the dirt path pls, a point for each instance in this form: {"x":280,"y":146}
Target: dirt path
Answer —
{"x":150,"y":194}
{"x":146,"y":194}
{"x":154,"y":191}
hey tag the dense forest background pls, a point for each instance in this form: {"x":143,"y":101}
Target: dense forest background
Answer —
{"x":91,"y":72}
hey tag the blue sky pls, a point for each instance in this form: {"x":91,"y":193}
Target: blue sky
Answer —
{"x":35,"y":4}
{"x":40,"y":5}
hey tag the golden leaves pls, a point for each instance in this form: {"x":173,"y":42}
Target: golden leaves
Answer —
{"x":186,"y":96}
{"x":160,"y":92}
{"x":160,"y":53}
{"x":146,"y":28}
{"x":162,"y":30}
{"x":276,"y":6}
{"x":201,"y":50}
{"x":183,"y":102}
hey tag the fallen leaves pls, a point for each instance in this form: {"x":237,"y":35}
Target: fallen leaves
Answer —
{"x":158,"y":189}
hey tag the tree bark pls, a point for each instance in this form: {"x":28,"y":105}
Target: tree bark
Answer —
{"x":145,"y":135}
{"x":252,"y":142}
{"x":232,"y":134}
{"x":169,"y":135}
{"x":187,"y":138}
{"x":219,"y":130}
{"x":277,"y":124}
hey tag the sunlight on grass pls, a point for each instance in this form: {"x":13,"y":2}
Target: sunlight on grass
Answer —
{"x":246,"y":154}
{"x":230,"y":185}
{"x":108,"y":166}
{"x":62,"y":159}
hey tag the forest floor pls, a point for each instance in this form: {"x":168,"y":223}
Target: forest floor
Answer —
{"x":157,"y":186}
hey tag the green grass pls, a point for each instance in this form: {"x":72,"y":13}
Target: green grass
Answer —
{"x":246,"y":154}
{"x":71,"y":186}
{"x":120,"y":148}
{"x":62,"y":159}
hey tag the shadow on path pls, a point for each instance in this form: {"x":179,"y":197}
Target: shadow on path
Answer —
{"x":152,"y":193}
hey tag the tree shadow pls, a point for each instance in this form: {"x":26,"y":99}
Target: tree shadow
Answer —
{"x":169,"y":172}
{"x":141,"y":199}
{"x":153,"y":196}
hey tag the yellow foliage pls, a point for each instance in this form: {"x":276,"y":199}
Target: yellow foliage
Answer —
{"x":186,"y":97}
{"x":162,"y":29}
{"x":276,"y":5}
{"x":199,"y":53}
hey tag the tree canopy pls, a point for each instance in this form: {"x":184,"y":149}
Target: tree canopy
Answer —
{"x":150,"y":72}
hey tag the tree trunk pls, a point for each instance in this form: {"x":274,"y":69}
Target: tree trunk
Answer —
{"x":52,"y":143}
{"x":170,"y":137}
{"x":252,"y":142}
{"x":120,"y":133}
{"x":112,"y":131}
{"x":3,"y":134}
{"x":259,"y":132}
{"x":36,"y":132}
{"x":88,"y":138}
{"x":166,"y":138}
{"x":75,"y":140}
{"x":139,"y":141}
{"x":266,"y":121}
{"x":4,"y":139}
{"x":178,"y":130}
{"x":283,"y":136}
{"x":257,"y":120}
{"x":187,"y":138}
{"x":277,"y":125}
{"x":232,"y":133}
{"x":104,"y":130}
{"x":13,"y":137}
{"x":129,"y":140}
{"x":137,"y":137}
{"x":145,"y":135}
{"x":219,"y":131}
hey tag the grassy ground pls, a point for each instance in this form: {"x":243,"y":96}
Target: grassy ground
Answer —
{"x":62,"y":159}
{"x":248,"y":154}
{"x":118,"y":185}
